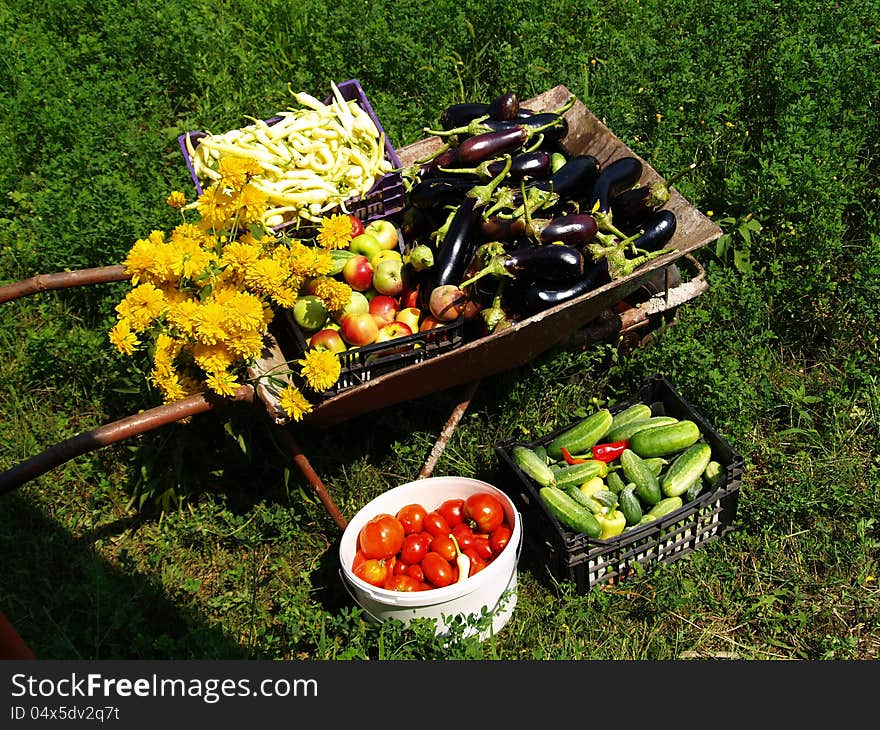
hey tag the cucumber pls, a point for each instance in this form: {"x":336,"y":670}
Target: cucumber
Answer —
{"x":630,"y":505}
{"x":655,"y":464}
{"x":665,"y":506}
{"x":606,"y":498}
{"x":340,"y":256}
{"x":582,"y":436}
{"x":628,"y":430}
{"x":614,"y":482}
{"x":687,"y":468}
{"x":541,"y":452}
{"x":532,"y":465}
{"x":636,"y":412}
{"x":713,"y":474}
{"x":664,"y":440}
{"x":647,"y":486}
{"x":570,"y":513}
{"x":584,"y":499}
{"x":579,"y":473}
{"x":693,"y":491}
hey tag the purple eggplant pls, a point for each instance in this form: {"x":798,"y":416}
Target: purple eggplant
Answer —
{"x":541,"y":295}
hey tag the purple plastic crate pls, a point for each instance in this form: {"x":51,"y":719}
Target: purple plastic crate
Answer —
{"x":384,"y":199}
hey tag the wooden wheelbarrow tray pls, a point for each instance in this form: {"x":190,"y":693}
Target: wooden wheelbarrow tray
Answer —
{"x":591,"y":315}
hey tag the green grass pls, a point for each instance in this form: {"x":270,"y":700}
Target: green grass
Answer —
{"x":777,"y":102}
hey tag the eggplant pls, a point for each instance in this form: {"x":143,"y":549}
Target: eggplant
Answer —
{"x":621,"y":174}
{"x":557,"y":263}
{"x":481,"y":147}
{"x":457,"y":115}
{"x":575,"y":178}
{"x":655,"y":230}
{"x":534,"y":164}
{"x":573,"y":230}
{"x":432,"y":192}
{"x":541,"y":295}
{"x":504,"y":107}
{"x":630,"y":206}
{"x":551,"y":125}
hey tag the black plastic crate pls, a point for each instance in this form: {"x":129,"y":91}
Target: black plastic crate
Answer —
{"x":362,"y":364}
{"x":587,"y":561}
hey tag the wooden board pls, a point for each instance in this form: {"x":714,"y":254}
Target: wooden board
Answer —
{"x":525,"y":340}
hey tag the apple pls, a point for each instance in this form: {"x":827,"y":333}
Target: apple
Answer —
{"x":383,"y":308}
{"x":385,"y":231}
{"x":388,"y":277}
{"x":365,"y":244}
{"x":358,"y":273}
{"x":392,"y":330}
{"x":359,"y":328}
{"x":410,"y":316}
{"x":328,"y":339}
{"x":310,"y":312}
{"x":447,"y":302}
{"x":409,"y":297}
{"x":357,"y":303}
{"x":429,"y":323}
{"x":386,"y":254}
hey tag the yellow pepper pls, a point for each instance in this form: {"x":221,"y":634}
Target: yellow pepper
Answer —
{"x":612,"y":521}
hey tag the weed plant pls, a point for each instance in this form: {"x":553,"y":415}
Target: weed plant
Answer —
{"x":202,"y":540}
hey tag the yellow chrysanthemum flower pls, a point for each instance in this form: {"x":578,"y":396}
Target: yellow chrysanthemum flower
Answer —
{"x":294,"y":403}
{"x":240,"y":257}
{"x":213,"y":358}
{"x":216,"y":206}
{"x":336,"y":294}
{"x":246,"y":345}
{"x":176,"y":199}
{"x":222,"y":383}
{"x":320,"y":369}
{"x":184,"y":315}
{"x":211,"y":325}
{"x":252,"y":203}
{"x":237,"y":171}
{"x":123,"y":338}
{"x":335,"y":231}
{"x":141,"y":306}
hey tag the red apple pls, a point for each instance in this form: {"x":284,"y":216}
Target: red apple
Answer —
{"x":328,"y":339}
{"x":358,"y":273}
{"x":359,"y":329}
{"x":411,"y":316}
{"x":385,"y":231}
{"x":429,"y":323}
{"x":383,"y":308}
{"x":388,"y":277}
{"x":409,"y":297}
{"x":391,"y":330}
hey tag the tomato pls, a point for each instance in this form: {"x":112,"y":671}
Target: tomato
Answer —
{"x":453,"y":511}
{"x":381,"y":537}
{"x":357,"y":225}
{"x":499,"y":537}
{"x":415,"y":547}
{"x":485,"y":510}
{"x":437,"y":570}
{"x":444,"y":546}
{"x":436,"y":524}
{"x":415,"y":571}
{"x":373,"y":571}
{"x":464,"y":535}
{"x":411,"y":517}
{"x":398,"y":566}
{"x":403,"y":583}
{"x":477,"y":563}
{"x":483,"y":547}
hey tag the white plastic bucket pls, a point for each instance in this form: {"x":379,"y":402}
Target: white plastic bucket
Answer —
{"x":493,"y":588}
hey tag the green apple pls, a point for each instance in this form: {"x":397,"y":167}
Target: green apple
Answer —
{"x":310,"y":312}
{"x":365,"y":244}
{"x":357,"y":303}
{"x":385,"y":231}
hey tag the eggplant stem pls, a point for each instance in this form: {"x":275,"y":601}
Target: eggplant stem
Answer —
{"x":473,"y":127}
{"x":484,"y":193}
{"x":495,"y":267}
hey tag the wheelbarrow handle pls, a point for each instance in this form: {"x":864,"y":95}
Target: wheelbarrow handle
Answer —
{"x":61,"y":280}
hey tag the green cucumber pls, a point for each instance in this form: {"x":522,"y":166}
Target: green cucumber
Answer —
{"x":582,"y":498}
{"x":655,"y":464}
{"x":694,"y":491}
{"x":340,"y":256}
{"x":713,"y":474}
{"x":664,"y":440}
{"x":570,"y":513}
{"x":541,"y":452}
{"x":628,"y":430}
{"x":582,"y":436}
{"x":605,"y":497}
{"x":532,"y":465}
{"x":629,"y":504}
{"x":647,"y":486}
{"x":614,"y":482}
{"x":579,"y":473}
{"x":687,"y":468}
{"x":665,"y":506}
{"x":636,"y":412}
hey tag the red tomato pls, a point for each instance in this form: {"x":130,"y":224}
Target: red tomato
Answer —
{"x":415,"y":547}
{"x":373,"y":571}
{"x":436,"y":524}
{"x":444,"y":546}
{"x":464,"y":535}
{"x":399,"y":567}
{"x":485,"y":510}
{"x":453,"y":511}
{"x":381,"y":537}
{"x":437,"y":570}
{"x":477,"y":563}
{"x":483,"y":547}
{"x":411,"y":517}
{"x":415,"y":571}
{"x":499,"y":537}
{"x":357,"y":225}
{"x":403,"y":583}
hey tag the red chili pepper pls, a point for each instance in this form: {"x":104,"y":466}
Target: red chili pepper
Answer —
{"x":569,"y":458}
{"x":609,"y":452}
